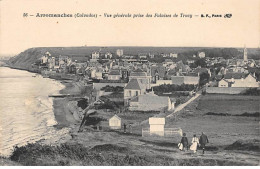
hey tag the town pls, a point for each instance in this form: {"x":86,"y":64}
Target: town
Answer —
{"x":150,"y":81}
{"x":154,"y":97}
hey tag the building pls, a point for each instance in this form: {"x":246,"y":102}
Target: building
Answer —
{"x":157,"y":126}
{"x":157,"y":73}
{"x":142,"y":56}
{"x":133,"y":88}
{"x":168,"y":62}
{"x":119,"y":52}
{"x":45,"y":57}
{"x":114,"y":75}
{"x":96,"y":74}
{"x":95,"y":55}
{"x":238,"y":80}
{"x":108,"y":55}
{"x":174,"y":55}
{"x":245,"y":55}
{"x":179,"y":80}
{"x":151,"y":55}
{"x":151,"y":102}
{"x":142,"y":76}
{"x":51,"y":62}
{"x":115,"y":122}
{"x":201,"y":54}
{"x":224,"y":83}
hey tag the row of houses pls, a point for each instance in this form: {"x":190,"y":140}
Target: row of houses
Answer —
{"x":239,"y":80}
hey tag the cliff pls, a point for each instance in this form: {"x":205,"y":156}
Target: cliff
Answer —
{"x":25,"y":59}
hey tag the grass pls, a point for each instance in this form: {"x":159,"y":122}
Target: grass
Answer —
{"x":233,"y":104}
{"x":209,"y":114}
{"x":77,"y":154}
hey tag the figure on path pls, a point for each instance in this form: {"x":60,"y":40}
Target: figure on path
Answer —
{"x":203,"y":141}
{"x":124,"y":128}
{"x":130,"y":128}
{"x":194,"y":143}
{"x":184,"y":141}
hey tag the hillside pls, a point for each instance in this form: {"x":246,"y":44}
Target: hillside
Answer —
{"x":30,"y":56}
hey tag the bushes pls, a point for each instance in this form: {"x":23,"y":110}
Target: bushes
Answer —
{"x":252,"y":92}
{"x":114,"y":89}
{"x":248,"y":145}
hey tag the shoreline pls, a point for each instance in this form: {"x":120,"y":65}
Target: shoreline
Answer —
{"x":62,"y":114}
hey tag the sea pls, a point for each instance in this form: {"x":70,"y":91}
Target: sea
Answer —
{"x":26,"y":110}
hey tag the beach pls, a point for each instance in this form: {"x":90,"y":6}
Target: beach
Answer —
{"x":27,"y":112}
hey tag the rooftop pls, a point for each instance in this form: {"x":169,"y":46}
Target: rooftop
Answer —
{"x":134,"y":84}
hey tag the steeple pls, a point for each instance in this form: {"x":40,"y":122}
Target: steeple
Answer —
{"x":245,"y":54}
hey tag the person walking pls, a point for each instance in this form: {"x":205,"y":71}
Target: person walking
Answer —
{"x":124,"y":128}
{"x":194,"y":143}
{"x":203,"y":141}
{"x":130,"y":128}
{"x":184,"y":141}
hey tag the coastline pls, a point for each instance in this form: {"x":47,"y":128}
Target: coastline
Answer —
{"x":62,"y":114}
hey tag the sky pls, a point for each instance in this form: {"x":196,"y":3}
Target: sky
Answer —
{"x":18,"y":33}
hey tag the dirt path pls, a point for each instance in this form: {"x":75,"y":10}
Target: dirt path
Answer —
{"x":181,"y":106}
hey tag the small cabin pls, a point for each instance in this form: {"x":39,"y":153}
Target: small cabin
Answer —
{"x":157,"y":126}
{"x":115,"y":122}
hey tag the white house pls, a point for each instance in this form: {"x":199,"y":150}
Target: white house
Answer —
{"x":238,"y":80}
{"x":96,"y":74}
{"x":223,"y":83}
{"x":44,"y":59}
{"x":114,"y":75}
{"x":133,"y":88}
{"x":201,"y":54}
{"x":95,"y":55}
{"x":108,"y":55}
{"x":115,"y":122}
{"x":157,"y":126}
{"x":151,"y":102}
{"x":119,"y":52}
{"x":142,"y":55}
{"x":173,"y":55}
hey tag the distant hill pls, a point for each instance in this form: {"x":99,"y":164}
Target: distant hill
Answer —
{"x":30,"y":56}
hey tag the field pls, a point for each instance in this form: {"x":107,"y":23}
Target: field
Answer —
{"x":233,"y":104}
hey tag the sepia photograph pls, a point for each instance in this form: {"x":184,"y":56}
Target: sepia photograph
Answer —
{"x":129,"y":83}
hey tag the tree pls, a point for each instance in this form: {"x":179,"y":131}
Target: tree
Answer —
{"x":204,"y":78}
{"x":201,"y":63}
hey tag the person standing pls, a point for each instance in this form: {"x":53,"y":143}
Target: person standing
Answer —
{"x":203,"y":141}
{"x":124,"y":128}
{"x":194,"y":143}
{"x":184,"y":141}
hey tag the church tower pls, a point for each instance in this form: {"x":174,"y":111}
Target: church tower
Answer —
{"x":245,"y":54}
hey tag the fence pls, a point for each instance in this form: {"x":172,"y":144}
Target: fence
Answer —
{"x":168,"y":132}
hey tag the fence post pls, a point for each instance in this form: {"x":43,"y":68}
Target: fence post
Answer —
{"x":180,"y":131}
